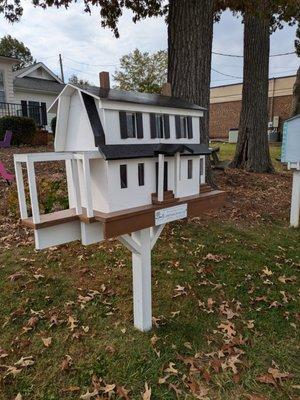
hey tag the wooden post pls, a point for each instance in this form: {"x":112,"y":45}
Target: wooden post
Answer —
{"x":295,"y":206}
{"x":141,"y":270}
{"x":160,"y":184}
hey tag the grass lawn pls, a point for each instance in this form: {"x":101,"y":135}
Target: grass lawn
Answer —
{"x":225,"y":305}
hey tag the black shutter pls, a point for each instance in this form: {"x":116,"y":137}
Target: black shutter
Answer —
{"x":190,"y":128}
{"x":177,"y":126}
{"x":93,"y":116}
{"x":153,"y":126}
{"x":24,"y":108}
{"x":167,"y":126}
{"x":44,"y":114}
{"x":139,"y":122}
{"x":123,"y":124}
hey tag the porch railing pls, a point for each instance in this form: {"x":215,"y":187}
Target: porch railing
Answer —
{"x":36,"y":112}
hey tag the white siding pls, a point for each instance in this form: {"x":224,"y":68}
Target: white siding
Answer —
{"x":39,"y":97}
{"x":6,"y":68}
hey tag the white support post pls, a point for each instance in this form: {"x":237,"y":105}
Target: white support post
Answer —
{"x":155,"y":233}
{"x":141,"y":269}
{"x":87,"y":186}
{"x":75,"y":185}
{"x":177,"y":175}
{"x":295,"y":206}
{"x":21,"y":191}
{"x":160,"y":183}
{"x":33,"y":192}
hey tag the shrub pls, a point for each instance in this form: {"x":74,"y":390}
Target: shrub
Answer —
{"x":23,"y":129}
{"x":53,"y":125}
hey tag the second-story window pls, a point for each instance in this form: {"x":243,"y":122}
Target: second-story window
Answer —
{"x":159,"y":126}
{"x":131,"y":125}
{"x":184,"y":127}
{"x":2,"y":90}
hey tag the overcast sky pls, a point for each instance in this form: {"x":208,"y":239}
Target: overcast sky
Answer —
{"x":87,"y":48}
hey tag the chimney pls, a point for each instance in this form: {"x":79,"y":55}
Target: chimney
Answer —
{"x":104,"y":80}
{"x":166,"y":89}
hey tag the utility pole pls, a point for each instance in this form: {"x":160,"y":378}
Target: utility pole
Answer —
{"x":61,"y":69}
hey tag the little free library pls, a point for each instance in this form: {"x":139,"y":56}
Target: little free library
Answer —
{"x":134,"y":162}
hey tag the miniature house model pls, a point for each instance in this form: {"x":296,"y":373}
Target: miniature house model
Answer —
{"x":134,"y":161}
{"x":290,"y":154}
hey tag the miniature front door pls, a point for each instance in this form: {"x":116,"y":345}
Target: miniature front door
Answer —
{"x":165,"y":176}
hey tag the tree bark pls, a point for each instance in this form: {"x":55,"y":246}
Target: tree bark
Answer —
{"x":296,"y":95}
{"x":252,"y":150}
{"x":190,"y":36}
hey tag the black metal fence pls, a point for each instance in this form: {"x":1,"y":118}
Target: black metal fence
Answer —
{"x":36,"y":112}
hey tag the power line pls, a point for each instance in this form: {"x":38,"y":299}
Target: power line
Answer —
{"x":91,"y":65}
{"x":230,"y":76}
{"x":239,"y":56}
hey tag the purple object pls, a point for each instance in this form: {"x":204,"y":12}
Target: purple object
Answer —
{"x":5,"y":174}
{"x":7,"y":140}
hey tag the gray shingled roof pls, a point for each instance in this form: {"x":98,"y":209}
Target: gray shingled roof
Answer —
{"x":126,"y":151}
{"x":140,"y":98}
{"x":37,"y":84}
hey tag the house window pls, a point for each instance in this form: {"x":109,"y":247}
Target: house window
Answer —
{"x":2,"y":90}
{"x":190,"y":169}
{"x":123,"y":176}
{"x":159,"y":126}
{"x":141,"y":173}
{"x":160,"y":129}
{"x":184,"y":127}
{"x":131,"y":125}
{"x":201,"y":166}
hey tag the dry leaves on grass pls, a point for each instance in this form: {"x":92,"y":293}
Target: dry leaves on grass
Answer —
{"x":274,"y":377}
{"x":47,"y":341}
{"x":147,"y":393}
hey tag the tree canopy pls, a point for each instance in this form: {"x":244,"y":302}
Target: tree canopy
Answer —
{"x":11,"y":47}
{"x":78,"y":81}
{"x":142,"y":72}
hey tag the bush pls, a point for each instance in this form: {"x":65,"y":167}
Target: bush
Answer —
{"x":53,"y":125}
{"x":23,"y":129}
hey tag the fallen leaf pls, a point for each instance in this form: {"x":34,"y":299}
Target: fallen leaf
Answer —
{"x":267,"y":271}
{"x":72,"y":322}
{"x":71,"y":389}
{"x":266,"y":378}
{"x":66,"y":363}
{"x":109,"y":388}
{"x":25,"y":362}
{"x":18,"y":397}
{"x":122,"y":392}
{"x":147,"y":393}
{"x":88,"y":395}
{"x":47,"y":341}
{"x":171,"y":369}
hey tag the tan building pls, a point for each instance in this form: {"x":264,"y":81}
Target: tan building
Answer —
{"x":225,"y":105}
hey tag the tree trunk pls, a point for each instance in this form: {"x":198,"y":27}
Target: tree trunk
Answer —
{"x":252,"y":150}
{"x":296,"y":95}
{"x":190,"y":35}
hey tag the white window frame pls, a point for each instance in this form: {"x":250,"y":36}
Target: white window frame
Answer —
{"x":132,"y":135}
{"x":160,"y":126}
{"x":184,"y":127}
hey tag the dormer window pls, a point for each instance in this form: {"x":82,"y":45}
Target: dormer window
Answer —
{"x":184,"y":127}
{"x":131,"y":125}
{"x":159,"y":126}
{"x":2,"y":90}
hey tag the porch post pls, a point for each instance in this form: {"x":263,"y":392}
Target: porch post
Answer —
{"x":160,"y":184}
{"x":176,"y":174}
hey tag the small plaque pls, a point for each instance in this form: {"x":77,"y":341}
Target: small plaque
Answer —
{"x":170,"y":214}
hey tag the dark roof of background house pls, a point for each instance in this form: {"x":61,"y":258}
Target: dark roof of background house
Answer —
{"x":125,"y":151}
{"x":140,"y":98}
{"x":37,"y":84}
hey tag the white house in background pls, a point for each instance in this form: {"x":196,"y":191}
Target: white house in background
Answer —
{"x":29,"y":91}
